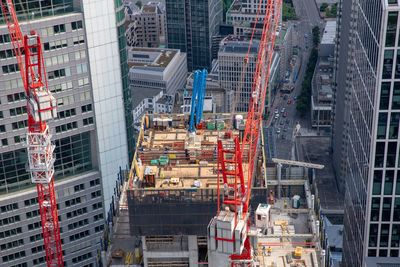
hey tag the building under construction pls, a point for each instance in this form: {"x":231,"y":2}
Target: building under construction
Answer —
{"x":171,"y":196}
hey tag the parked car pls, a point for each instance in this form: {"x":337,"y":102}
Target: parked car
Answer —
{"x":278,"y":131}
{"x":276,"y":116}
{"x":285,"y":114}
{"x":289,"y":101}
{"x":282,"y":110}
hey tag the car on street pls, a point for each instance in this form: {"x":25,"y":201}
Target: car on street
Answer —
{"x":282,"y":110}
{"x":285,"y":114}
{"x":285,"y":129}
{"x":289,"y":101}
{"x":295,"y":98}
{"x":278,"y":131}
{"x":276,"y":111}
{"x":276,"y":116}
{"x":282,"y":122}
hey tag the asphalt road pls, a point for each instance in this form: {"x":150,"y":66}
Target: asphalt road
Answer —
{"x":282,"y":145}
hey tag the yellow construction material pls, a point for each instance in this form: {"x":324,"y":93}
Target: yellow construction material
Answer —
{"x":298,"y":251}
{"x":281,"y":223}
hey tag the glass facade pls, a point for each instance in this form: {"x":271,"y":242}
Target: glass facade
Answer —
{"x":120,"y":19}
{"x":372,"y":201}
{"x":73,"y":156}
{"x":190,"y":28}
{"x":33,"y":9}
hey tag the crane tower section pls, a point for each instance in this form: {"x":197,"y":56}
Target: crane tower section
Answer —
{"x":228,"y":241}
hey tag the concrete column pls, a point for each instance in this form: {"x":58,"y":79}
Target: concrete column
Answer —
{"x":193,"y":251}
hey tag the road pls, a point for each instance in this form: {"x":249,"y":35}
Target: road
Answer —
{"x":282,"y":145}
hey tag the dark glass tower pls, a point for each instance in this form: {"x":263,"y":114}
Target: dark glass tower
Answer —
{"x":368,"y":112}
{"x":191,"y":24}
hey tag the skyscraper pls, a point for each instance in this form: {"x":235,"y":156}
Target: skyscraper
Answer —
{"x":84,"y":74}
{"x":367,"y":112}
{"x":191,"y":24}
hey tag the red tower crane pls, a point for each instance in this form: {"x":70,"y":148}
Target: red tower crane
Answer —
{"x":41,"y":107}
{"x":228,"y":231}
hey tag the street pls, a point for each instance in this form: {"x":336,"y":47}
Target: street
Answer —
{"x":280,"y":132}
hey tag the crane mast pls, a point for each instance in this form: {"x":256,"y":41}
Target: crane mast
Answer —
{"x":41,"y":107}
{"x":228,"y":231}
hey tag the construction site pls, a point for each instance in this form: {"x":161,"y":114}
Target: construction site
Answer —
{"x":172,"y":195}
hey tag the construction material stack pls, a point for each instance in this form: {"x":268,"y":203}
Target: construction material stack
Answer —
{"x":41,"y":107}
{"x":229,"y":243}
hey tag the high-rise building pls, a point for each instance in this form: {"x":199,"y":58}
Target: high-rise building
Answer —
{"x":146,"y":26}
{"x":84,"y":74}
{"x":236,"y":76}
{"x":191,"y":26}
{"x":368,"y":112}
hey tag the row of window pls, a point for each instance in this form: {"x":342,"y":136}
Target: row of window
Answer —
{"x":8,"y":207}
{"x":55,"y":60}
{"x":10,"y":220}
{"x":74,"y":201}
{"x":31,"y":214}
{"x":384,"y":235}
{"x":12,"y":244}
{"x":33,"y":226}
{"x":82,"y":257}
{"x":11,"y":232}
{"x":383,"y":212}
{"x":66,"y":113}
{"x":78,"y":224}
{"x":10,"y":68}
{"x":37,"y":249}
{"x":14,"y":256}
{"x":19,"y":124}
{"x":80,"y":235}
{"x":76,"y":212}
{"x":18,"y":111}
{"x":16,"y":97}
{"x":67,"y":127}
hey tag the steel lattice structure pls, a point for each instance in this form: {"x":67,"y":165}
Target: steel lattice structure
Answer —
{"x":41,"y":107}
{"x":237,"y":189}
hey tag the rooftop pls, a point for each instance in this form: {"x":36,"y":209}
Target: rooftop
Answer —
{"x":328,"y":37}
{"x":237,"y":44}
{"x":150,"y":57}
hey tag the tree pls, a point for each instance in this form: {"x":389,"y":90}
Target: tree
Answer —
{"x":139,"y":4}
{"x":323,"y":7}
{"x":315,"y":32}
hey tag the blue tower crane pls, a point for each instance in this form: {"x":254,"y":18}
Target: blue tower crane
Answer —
{"x":198,"y":93}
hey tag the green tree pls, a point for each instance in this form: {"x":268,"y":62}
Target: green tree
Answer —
{"x":323,"y":7}
{"x":139,"y":4}
{"x":316,"y":35}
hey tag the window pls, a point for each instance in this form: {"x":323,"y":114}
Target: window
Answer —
{"x":81,"y":68}
{"x":33,"y":226}
{"x":86,"y":108}
{"x":2,"y":129}
{"x":396,"y":95}
{"x":8,"y":53}
{"x":98,"y":205}
{"x":5,"y":38}
{"x":384,"y":235}
{"x":396,"y":209}
{"x":98,"y":217}
{"x":386,"y":209}
{"x":88,"y":121}
{"x":387,"y":64}
{"x":14,"y":256}
{"x":83,"y":81}
{"x":59,"y":73}
{"x":94,"y":182}
{"x":78,"y":224}
{"x":80,"y":55}
{"x":379,"y":154}
{"x":78,"y":236}
{"x":385,"y":94}
{"x":394,"y":125}
{"x":78,"y":40}
{"x":16,"y":97}
{"x":32,"y":201}
{"x":99,"y":228}
{"x":66,"y":113}
{"x":31,"y":214}
{"x":96,"y":194}
{"x":58,"y":28}
{"x":395,"y":235}
{"x":373,"y":235}
{"x":391,"y":154}
{"x":391,"y":29}
{"x":389,"y":177}
{"x":55,"y":45}
{"x":18,"y":111}
{"x":377,"y":184}
{"x":82,"y":258}
{"x":76,"y":25}
{"x":79,"y":187}
{"x":4,"y":142}
{"x":375,"y":207}
{"x":11,"y":232}
{"x":67,"y":127}
{"x":382,"y":123}
{"x":8,"y":207}
{"x":19,"y":125}
{"x":36,"y":237}
{"x":12,"y":244}
{"x":37,"y":249}
{"x":77,"y":212}
{"x":73,"y":202}
{"x":10,"y":68}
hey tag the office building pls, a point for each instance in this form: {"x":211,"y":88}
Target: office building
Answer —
{"x":155,"y":70}
{"x":146,"y":26}
{"x":367,"y":111}
{"x":191,"y":26}
{"x":322,"y":82}
{"x":236,"y":81}
{"x":90,"y":135}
